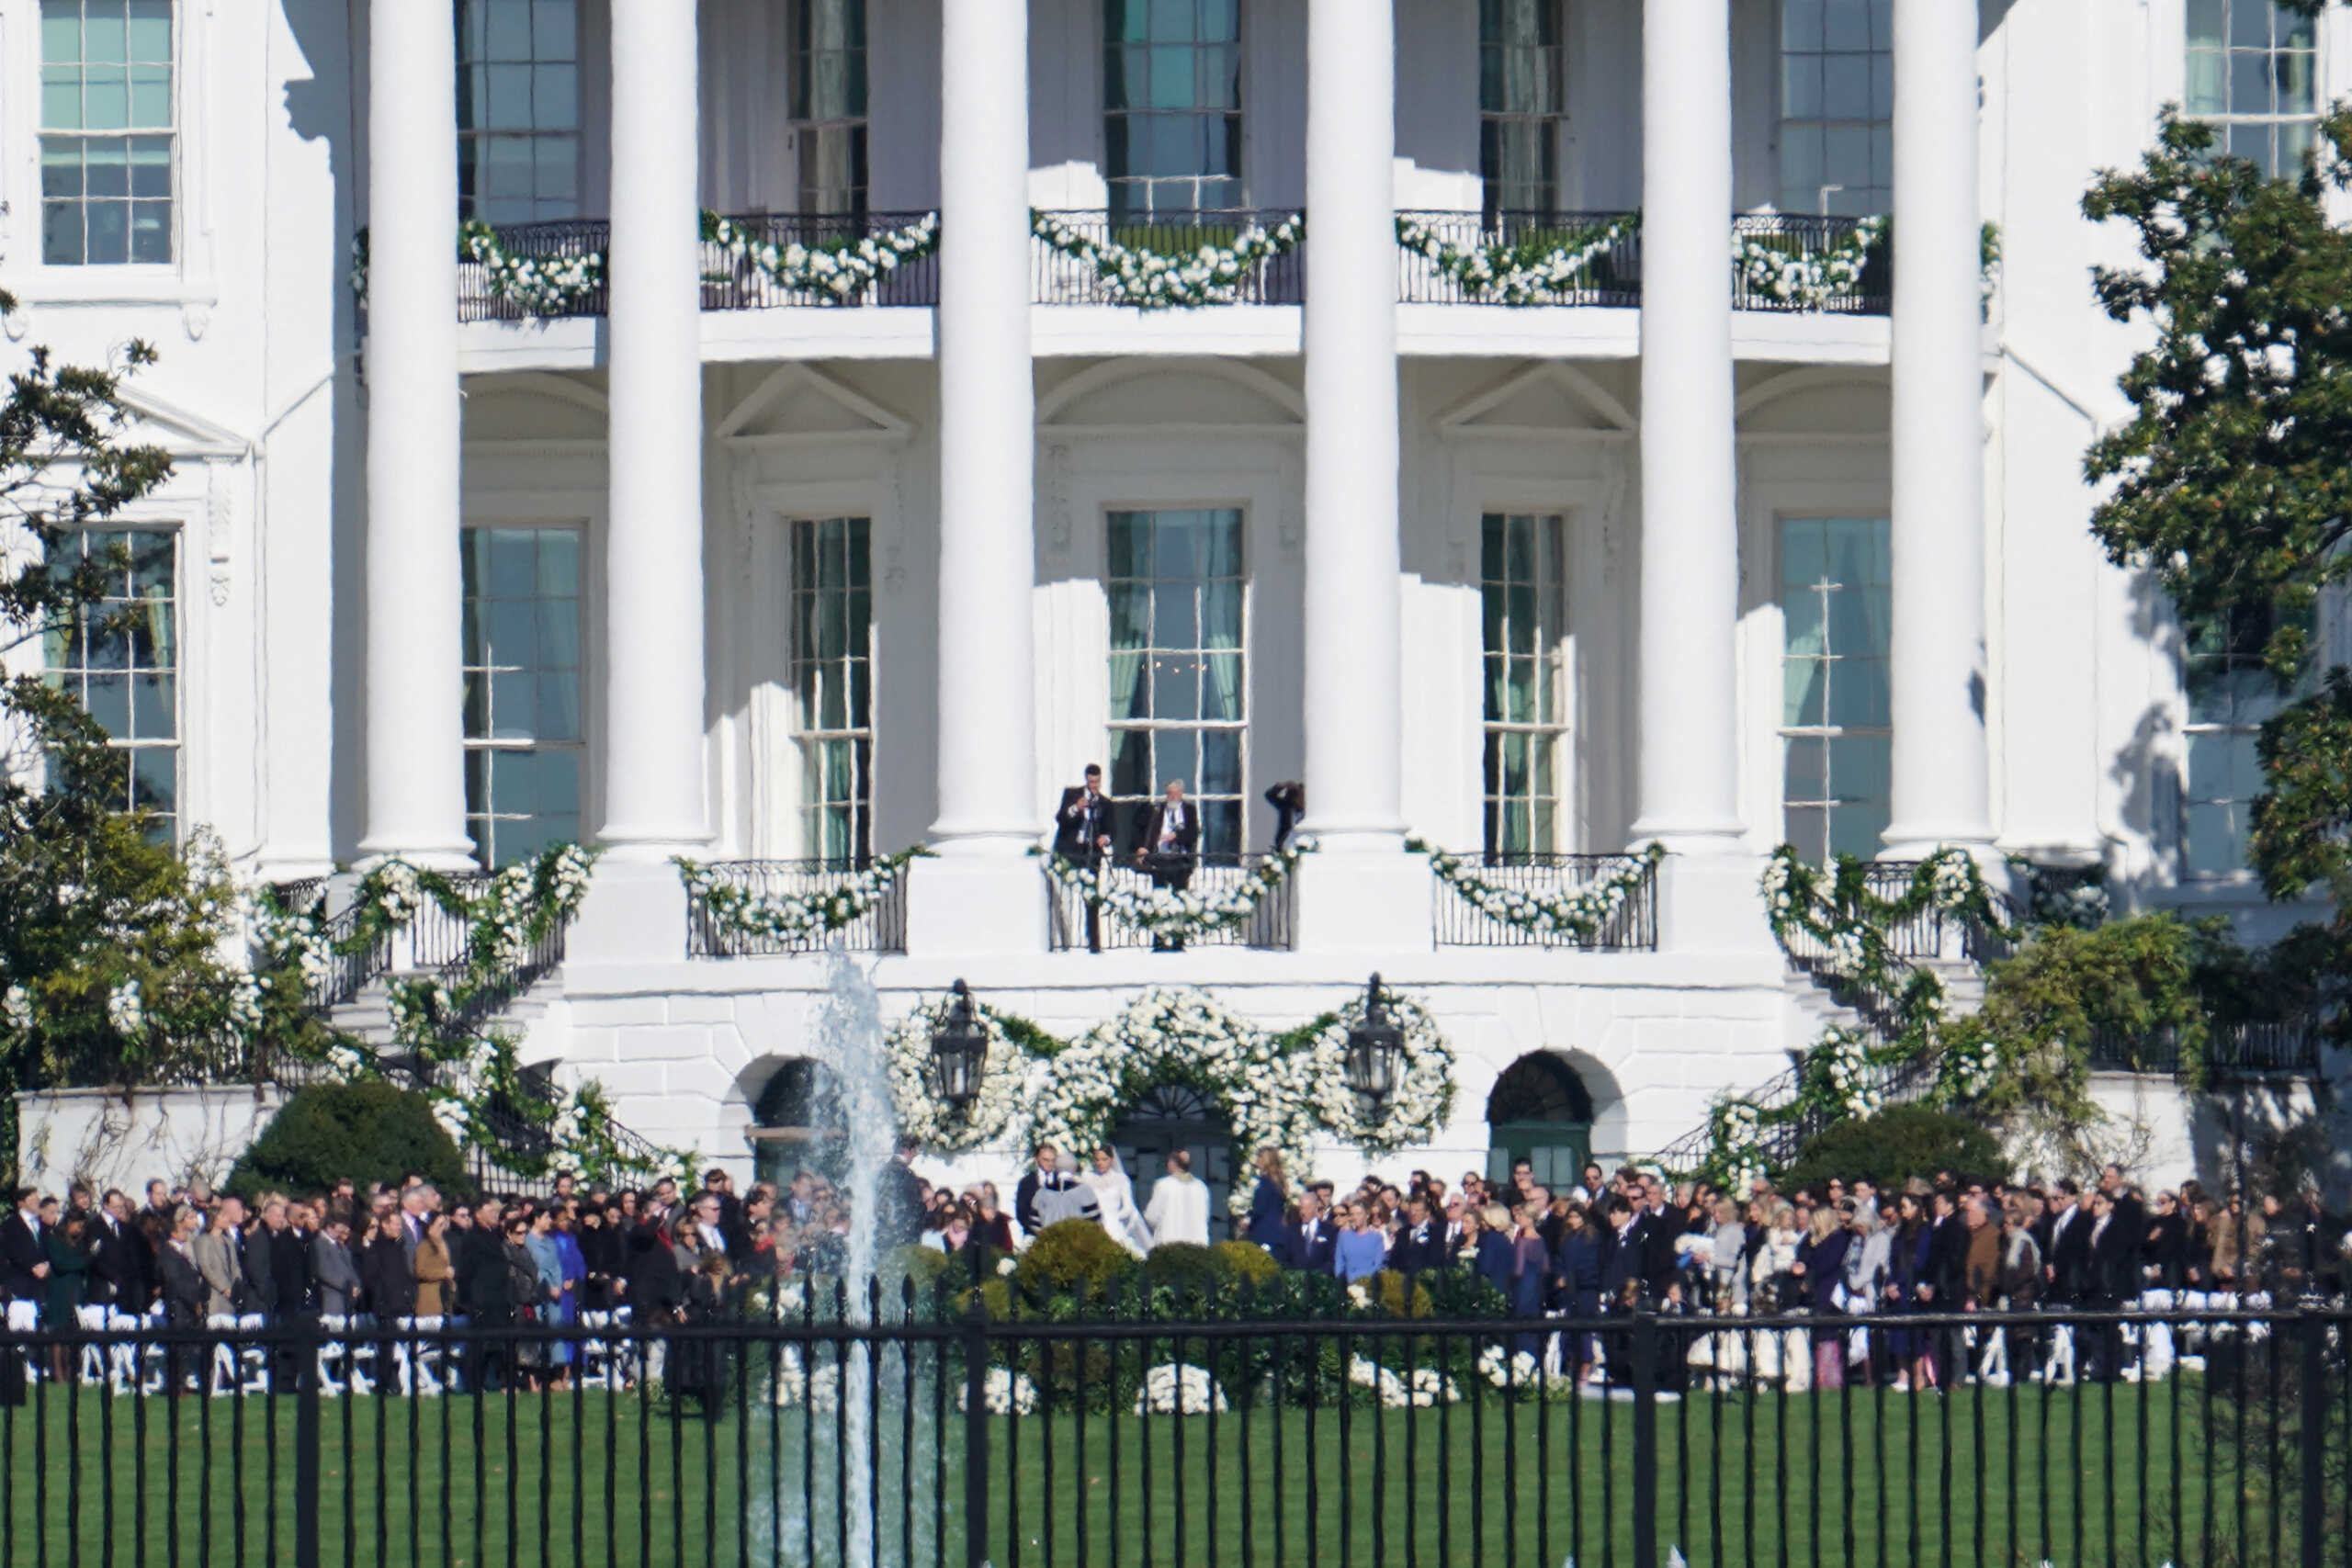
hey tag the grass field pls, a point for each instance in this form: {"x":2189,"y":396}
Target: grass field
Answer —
{"x":2110,"y":1474}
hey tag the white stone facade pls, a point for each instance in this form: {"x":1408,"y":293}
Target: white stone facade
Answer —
{"x":332,"y":463}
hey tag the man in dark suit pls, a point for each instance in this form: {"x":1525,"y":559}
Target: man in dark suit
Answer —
{"x":1422,"y":1245}
{"x":1047,"y":1177}
{"x":2067,"y":1249}
{"x":1170,"y":848}
{"x":24,"y":1251}
{"x":332,"y":1269}
{"x":2114,"y":1282}
{"x":1289,"y":800}
{"x":1311,"y":1243}
{"x":1082,"y":836}
{"x":120,"y":1263}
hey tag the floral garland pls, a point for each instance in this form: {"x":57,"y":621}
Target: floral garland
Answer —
{"x":1423,"y":1099}
{"x":1507,"y":271}
{"x":552,"y":286}
{"x":907,"y":1057}
{"x":793,"y":916}
{"x":1578,"y":915}
{"x":1167,"y":914}
{"x":1151,"y":280}
{"x":838,"y":275}
{"x":1808,"y":282}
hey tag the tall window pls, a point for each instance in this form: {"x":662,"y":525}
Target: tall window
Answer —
{"x":2230,"y":693}
{"x":1838,"y":107}
{"x":832,"y":674}
{"x":1836,"y":607}
{"x":1172,"y":104}
{"x":522,"y":671}
{"x":120,"y":659}
{"x":2254,"y":70}
{"x":518,"y":109}
{"x":107,"y":118}
{"x":828,"y":104}
{"x":1520,"y":588}
{"x":1521,"y":102}
{"x":1178,"y":682}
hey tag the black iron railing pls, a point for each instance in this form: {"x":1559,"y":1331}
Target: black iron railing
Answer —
{"x":732,"y":283}
{"x":556,"y":243}
{"x":1810,"y":240}
{"x":1525,"y":243}
{"x":1065,"y":279}
{"x":2234,"y":1052}
{"x":1631,"y":928}
{"x":347,"y":973}
{"x":882,"y":927}
{"x":1268,"y":925}
{"x":2195,"y":1432}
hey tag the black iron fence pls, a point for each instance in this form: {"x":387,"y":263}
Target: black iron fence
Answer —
{"x":1586,"y":258}
{"x":347,"y":974}
{"x":553,"y":248}
{"x":1631,"y":927}
{"x":931,"y":1435}
{"x":734,"y":282}
{"x":1795,"y":248}
{"x":1066,"y":280}
{"x":2233,"y":1051}
{"x":1111,"y":927}
{"x":881,"y":927}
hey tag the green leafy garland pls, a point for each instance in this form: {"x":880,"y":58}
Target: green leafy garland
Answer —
{"x":1155,"y":280}
{"x":793,"y":916}
{"x":1528,"y":273}
{"x":1188,"y":916}
{"x":1578,"y":914}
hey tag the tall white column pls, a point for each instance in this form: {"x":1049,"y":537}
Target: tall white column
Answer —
{"x":1941,"y":794}
{"x":983,"y":894}
{"x":1688,"y":772}
{"x":416,"y":792}
{"x":655,"y":802}
{"x":987,"y":804}
{"x":1353,"y":664}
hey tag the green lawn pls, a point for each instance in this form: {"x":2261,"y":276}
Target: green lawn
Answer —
{"x":2098,"y":1475}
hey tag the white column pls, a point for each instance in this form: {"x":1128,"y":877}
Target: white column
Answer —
{"x":1688,"y":774}
{"x":987,"y":804}
{"x":416,"y":793}
{"x":1941,"y":793}
{"x":983,"y":894}
{"x":1353,"y":664}
{"x":655,"y":802}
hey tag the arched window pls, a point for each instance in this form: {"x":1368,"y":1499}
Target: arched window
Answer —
{"x":1166,"y":1117}
{"x":796,"y":1122}
{"x":1539,"y":1112}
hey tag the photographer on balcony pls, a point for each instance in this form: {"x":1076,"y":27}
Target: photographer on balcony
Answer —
{"x":1082,"y":836}
{"x":1170,"y":849}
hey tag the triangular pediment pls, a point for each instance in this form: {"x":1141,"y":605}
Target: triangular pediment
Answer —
{"x":1540,"y":397}
{"x":157,"y":421}
{"x":793,"y":401}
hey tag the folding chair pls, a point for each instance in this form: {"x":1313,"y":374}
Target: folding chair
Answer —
{"x":417,"y":1360}
{"x":238,"y":1369}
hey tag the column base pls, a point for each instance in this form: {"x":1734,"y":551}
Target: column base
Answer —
{"x":1907,"y":840}
{"x":973,"y":905}
{"x":1712,"y":903}
{"x":635,"y":912}
{"x":441,"y":859}
{"x":1360,"y":902}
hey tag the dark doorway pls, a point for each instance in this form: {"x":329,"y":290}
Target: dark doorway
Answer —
{"x":1170,"y":1117}
{"x":795,"y":1122}
{"x":1540,"y":1112}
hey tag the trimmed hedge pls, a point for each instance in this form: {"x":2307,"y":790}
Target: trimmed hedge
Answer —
{"x":368,"y":1132}
{"x":1899,"y":1142}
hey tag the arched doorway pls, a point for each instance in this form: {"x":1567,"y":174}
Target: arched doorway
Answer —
{"x":1170,"y":1117}
{"x":1540,"y":1112}
{"x":796,"y":1122}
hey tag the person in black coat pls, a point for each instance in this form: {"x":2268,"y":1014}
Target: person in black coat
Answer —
{"x":1310,"y":1243}
{"x":1045,"y":1176}
{"x":1289,"y":800}
{"x":24,"y":1251}
{"x":2113,"y":1282}
{"x":1170,"y":849}
{"x":1083,"y":821}
{"x":120,"y":1263}
{"x":183,"y":1293}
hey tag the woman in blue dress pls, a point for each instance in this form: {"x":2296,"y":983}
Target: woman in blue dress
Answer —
{"x":574,"y":1261}
{"x":1576,"y":1264}
{"x":1270,"y":1203}
{"x":1913,"y":1269}
{"x":1491,"y":1253}
{"x":1530,"y":1273}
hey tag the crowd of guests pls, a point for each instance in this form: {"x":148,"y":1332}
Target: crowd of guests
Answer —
{"x":1851,"y":1259}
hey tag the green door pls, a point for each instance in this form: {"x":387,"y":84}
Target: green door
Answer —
{"x":1540,"y":1112}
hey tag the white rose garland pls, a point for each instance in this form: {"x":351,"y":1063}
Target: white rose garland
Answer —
{"x":1578,"y":914}
{"x":792,"y":916}
{"x":907,"y":1055}
{"x":1167,"y":914}
{"x":1496,"y":272}
{"x":1153,"y":280}
{"x":1421,"y":1100}
{"x":837,"y":274}
{"x":1809,"y":282}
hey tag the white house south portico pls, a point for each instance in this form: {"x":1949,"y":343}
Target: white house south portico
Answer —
{"x":781,"y":434}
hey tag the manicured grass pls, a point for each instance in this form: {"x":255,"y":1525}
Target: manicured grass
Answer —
{"x":2120,"y":1474}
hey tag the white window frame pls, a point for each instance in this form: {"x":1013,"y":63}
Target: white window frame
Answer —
{"x":579,"y":746}
{"x":806,"y":742}
{"x":1781,"y":119}
{"x":1151,"y":185}
{"x":535,"y":133}
{"x":171,"y":529}
{"x":1550,"y":733}
{"x":2223,"y":122}
{"x":1553,"y":124}
{"x":1825,"y":731}
{"x":807,"y":131}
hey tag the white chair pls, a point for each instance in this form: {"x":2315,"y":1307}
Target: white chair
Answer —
{"x":417,"y":1359}
{"x":238,"y":1368}
{"x":24,"y":1317}
{"x":351,"y":1355}
{"x":606,"y":1363}
{"x":93,"y":1363}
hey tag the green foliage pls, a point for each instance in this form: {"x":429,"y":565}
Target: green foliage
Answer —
{"x":1187,"y":1275}
{"x":1389,"y":1289}
{"x":1899,"y":1142}
{"x":1244,"y":1263}
{"x":368,"y":1131}
{"x":2303,"y":817}
{"x":1463,"y":1293}
{"x":1073,"y":1262}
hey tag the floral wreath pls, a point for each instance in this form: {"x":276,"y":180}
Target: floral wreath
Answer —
{"x":792,"y":916}
{"x":1166,"y":913}
{"x":1155,"y":280}
{"x":907,"y":1058}
{"x":1578,"y":914}
{"x":1508,"y":273}
{"x":1808,"y":282}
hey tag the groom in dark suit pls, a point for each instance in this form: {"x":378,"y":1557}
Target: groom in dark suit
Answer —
{"x":1082,"y":836}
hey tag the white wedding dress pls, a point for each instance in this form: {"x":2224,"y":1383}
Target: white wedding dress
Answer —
{"x":1116,"y":1196}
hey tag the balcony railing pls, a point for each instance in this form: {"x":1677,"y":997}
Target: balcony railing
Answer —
{"x":1634,"y":927}
{"x":1268,"y":927}
{"x":1065,"y":279}
{"x":567,"y":240}
{"x":1611,"y":275}
{"x":881,"y":929}
{"x":2234,"y":1052}
{"x":1813,"y":242}
{"x":737,"y":286}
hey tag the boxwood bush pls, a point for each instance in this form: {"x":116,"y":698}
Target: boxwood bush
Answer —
{"x":368,"y":1131}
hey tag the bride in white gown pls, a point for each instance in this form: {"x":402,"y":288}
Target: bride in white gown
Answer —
{"x":1115,"y":1195}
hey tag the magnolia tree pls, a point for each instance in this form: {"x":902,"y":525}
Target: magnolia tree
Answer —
{"x":110,"y":939}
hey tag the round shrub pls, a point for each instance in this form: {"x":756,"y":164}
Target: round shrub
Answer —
{"x":1899,"y":1142}
{"x":1074,"y":1260}
{"x":1246,"y":1263}
{"x":368,"y":1131}
{"x":1388,"y":1291}
{"x":1187,"y":1270}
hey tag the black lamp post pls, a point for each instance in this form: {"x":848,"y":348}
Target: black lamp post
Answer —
{"x":958,"y":1049}
{"x":1375,"y":1051}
